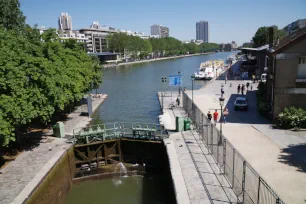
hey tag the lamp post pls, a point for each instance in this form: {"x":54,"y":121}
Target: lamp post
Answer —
{"x":179,"y":73}
{"x":164,"y":80}
{"x":192,"y":80}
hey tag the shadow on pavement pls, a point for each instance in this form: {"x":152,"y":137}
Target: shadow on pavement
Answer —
{"x":251,"y":116}
{"x":294,"y":155}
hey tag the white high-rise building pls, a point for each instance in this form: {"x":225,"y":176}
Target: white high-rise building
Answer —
{"x":202,"y":31}
{"x":65,"y":22}
{"x":159,"y":30}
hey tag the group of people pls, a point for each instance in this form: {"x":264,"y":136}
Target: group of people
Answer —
{"x":215,"y":115}
{"x":242,"y":88}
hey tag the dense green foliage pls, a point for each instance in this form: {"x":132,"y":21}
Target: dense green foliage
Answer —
{"x":261,"y":36}
{"x":141,"y":48}
{"x":10,"y":15}
{"x":292,"y":118}
{"x":262,"y":103}
{"x":39,"y":75}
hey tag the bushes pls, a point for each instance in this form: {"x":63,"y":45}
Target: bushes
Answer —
{"x":292,"y":118}
{"x":262,"y":103}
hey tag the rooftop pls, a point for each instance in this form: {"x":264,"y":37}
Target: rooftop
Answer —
{"x":293,"y":37}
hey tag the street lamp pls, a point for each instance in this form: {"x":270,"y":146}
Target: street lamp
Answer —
{"x":164,"y":80}
{"x":179,"y":73}
{"x":192,"y":80}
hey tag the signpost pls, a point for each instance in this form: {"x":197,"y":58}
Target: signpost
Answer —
{"x":175,"y":80}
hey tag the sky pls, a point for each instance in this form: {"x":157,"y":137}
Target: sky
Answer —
{"x":228,"y":20}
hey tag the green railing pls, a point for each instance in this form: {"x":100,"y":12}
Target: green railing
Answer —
{"x":107,"y":131}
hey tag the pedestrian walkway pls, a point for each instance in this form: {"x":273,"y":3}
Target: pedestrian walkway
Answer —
{"x":203,"y":181}
{"x":275,"y":154}
{"x":20,"y":177}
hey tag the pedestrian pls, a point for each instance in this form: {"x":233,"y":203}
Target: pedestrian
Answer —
{"x":184,"y":89}
{"x":251,"y":87}
{"x":222,"y":90}
{"x":216,"y":116}
{"x":238,"y":89}
{"x":178,"y":101}
{"x":225,"y":79}
{"x":225,"y":114}
{"x":209,"y":116}
{"x":242,"y":89}
{"x":247,"y":85}
{"x":253,"y":77}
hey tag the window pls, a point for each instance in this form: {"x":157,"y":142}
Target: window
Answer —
{"x":301,"y":74}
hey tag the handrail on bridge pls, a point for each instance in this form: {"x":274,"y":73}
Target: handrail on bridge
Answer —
{"x":116,"y":130}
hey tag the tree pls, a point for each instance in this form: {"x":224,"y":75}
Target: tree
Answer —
{"x":39,"y":79}
{"x":261,"y":36}
{"x":10,"y":15}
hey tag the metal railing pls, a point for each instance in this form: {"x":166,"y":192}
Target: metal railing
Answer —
{"x":246,"y":183}
{"x":116,"y":130}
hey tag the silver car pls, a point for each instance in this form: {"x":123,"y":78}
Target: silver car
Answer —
{"x":241,"y":103}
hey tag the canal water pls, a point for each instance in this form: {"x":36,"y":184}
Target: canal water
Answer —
{"x":132,"y":97}
{"x":132,"y":89}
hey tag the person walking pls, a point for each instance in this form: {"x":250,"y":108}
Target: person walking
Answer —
{"x":238,"y":89}
{"x":225,"y":79}
{"x":209,"y":116}
{"x":247,"y":85}
{"x":225,"y":114}
{"x":242,"y":89}
{"x":216,"y":114}
{"x":178,"y":101}
{"x":222,"y":90}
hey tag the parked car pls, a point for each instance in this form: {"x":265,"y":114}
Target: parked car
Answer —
{"x":241,"y":103}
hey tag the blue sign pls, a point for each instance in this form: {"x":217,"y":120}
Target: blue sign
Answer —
{"x":175,"y":80}
{"x":245,"y":75}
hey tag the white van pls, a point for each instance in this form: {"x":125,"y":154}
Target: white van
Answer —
{"x":263,"y":78}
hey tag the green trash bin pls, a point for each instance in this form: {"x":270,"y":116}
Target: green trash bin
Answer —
{"x":180,"y":124}
{"x":187,"y":123}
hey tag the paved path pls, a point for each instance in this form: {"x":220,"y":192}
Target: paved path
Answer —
{"x":203,"y":181}
{"x":21,"y":176}
{"x":277,"y":155}
{"x":18,"y":174}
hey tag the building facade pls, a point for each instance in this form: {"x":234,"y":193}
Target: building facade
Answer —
{"x":96,"y":39}
{"x":202,"y":32}
{"x":65,"y":22}
{"x":159,"y":30}
{"x":75,"y":35}
{"x":286,"y":74}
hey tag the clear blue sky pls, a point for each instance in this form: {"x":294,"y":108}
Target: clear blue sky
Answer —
{"x":228,"y":19}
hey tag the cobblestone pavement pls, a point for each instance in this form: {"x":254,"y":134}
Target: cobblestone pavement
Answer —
{"x":16,"y":175}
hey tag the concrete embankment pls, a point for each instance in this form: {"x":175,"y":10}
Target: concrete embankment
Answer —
{"x":195,"y":174}
{"x":162,"y":58}
{"x":46,"y":169}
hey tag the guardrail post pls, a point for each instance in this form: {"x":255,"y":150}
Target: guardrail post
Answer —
{"x":233,"y":179}
{"x":277,"y":201}
{"x":258,"y":190}
{"x":224,"y":154}
{"x":243,"y":180}
{"x":211,"y":138}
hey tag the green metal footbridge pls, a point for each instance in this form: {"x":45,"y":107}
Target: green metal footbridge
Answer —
{"x":117,"y":130}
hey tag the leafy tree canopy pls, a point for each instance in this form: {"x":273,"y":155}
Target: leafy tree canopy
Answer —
{"x":261,"y":36}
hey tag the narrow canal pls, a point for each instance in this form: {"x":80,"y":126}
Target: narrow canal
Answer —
{"x":132,"y":89}
{"x":132,"y":97}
